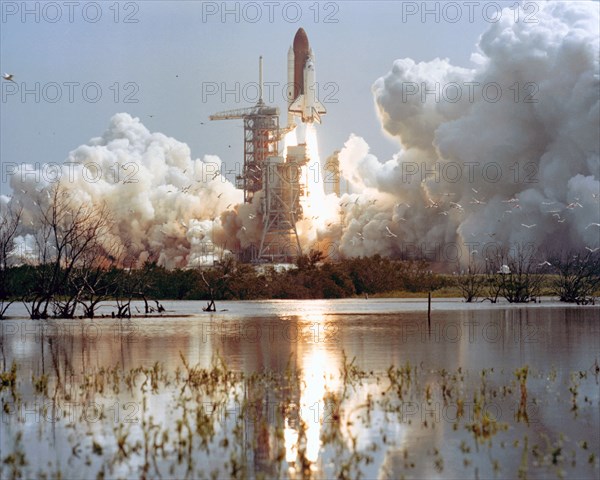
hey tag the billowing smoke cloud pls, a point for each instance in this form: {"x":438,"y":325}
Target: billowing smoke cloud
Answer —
{"x":164,"y":205}
{"x":506,"y":152}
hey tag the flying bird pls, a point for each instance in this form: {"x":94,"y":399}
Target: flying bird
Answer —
{"x":390,"y":233}
{"x":529,"y":226}
{"x":573,"y":205}
{"x":545,"y":262}
{"x":592,"y":250}
{"x":8,"y":76}
{"x":593,"y":225}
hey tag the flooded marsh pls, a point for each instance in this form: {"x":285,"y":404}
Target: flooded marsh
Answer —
{"x":316,"y":389}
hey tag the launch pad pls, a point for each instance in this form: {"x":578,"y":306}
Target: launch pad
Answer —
{"x":270,"y":182}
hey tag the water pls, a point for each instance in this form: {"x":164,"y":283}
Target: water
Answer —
{"x":286,"y":388}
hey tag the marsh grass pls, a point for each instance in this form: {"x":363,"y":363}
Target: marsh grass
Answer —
{"x":215,"y":422}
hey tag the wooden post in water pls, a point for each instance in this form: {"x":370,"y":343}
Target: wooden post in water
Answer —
{"x":429,"y":309}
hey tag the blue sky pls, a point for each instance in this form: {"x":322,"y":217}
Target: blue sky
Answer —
{"x":172,"y":54}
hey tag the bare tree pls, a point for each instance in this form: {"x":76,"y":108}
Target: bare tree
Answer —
{"x":135,"y":283}
{"x":471,"y":282}
{"x":578,"y":276}
{"x":521,"y":281}
{"x":210,"y":306}
{"x":9,"y":224}
{"x":96,"y":276}
{"x":68,"y":229}
{"x":492,"y":278}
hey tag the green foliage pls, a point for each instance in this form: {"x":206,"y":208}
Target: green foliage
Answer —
{"x":230,"y":280}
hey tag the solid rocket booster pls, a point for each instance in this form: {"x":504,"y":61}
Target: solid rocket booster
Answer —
{"x":302,"y":88}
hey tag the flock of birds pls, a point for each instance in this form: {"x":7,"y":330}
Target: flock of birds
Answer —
{"x":438,"y":204}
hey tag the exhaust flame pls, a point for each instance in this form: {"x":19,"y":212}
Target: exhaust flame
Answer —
{"x":319,"y":209}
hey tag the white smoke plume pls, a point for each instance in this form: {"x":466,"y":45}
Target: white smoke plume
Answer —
{"x":165,"y":205}
{"x":475,"y":169}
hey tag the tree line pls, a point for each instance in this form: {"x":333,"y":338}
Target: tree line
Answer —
{"x":76,"y":269}
{"x":81,"y":290}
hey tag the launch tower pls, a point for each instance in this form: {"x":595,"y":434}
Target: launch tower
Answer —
{"x":278,"y":180}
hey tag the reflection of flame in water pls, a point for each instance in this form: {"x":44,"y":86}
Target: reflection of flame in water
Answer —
{"x":290,"y":437}
{"x":320,"y":370}
{"x":316,"y":368}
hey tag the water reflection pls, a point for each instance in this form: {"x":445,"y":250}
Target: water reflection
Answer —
{"x":320,"y":368}
{"x":276,"y":403}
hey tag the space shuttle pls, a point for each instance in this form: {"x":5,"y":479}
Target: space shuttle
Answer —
{"x":302,"y":88}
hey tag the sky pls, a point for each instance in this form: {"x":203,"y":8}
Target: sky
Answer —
{"x":164,"y":68}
